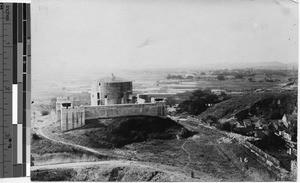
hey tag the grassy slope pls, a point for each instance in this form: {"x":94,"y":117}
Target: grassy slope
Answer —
{"x":205,"y":159}
{"x":45,"y":151}
{"x":263,"y":101}
{"x":121,"y":131}
{"x":112,"y":172}
{"x":208,"y":156}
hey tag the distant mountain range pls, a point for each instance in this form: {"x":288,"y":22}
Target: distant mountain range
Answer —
{"x":271,"y":65}
{"x":257,"y":65}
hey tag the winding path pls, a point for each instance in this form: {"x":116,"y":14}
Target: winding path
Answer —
{"x":161,"y":167}
{"x":189,"y":155}
{"x":41,"y":133}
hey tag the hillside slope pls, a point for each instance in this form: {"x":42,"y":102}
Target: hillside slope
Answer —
{"x":118,"y":132}
{"x":267,"y":105}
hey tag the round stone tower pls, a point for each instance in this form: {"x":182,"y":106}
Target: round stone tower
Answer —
{"x":111,"y":90}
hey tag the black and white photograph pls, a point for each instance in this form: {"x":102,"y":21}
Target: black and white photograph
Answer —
{"x":164,"y":90}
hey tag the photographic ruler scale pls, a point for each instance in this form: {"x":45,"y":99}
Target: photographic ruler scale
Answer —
{"x":15,"y":100}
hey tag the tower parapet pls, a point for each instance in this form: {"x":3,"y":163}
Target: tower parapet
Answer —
{"x":65,"y":102}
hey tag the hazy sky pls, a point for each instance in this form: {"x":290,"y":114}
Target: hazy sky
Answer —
{"x":106,"y":34}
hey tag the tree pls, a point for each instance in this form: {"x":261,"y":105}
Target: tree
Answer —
{"x":202,"y":73}
{"x":170,"y":101}
{"x":250,"y":79}
{"x":198,"y":102}
{"x":239,"y":76}
{"x":169,"y":76}
{"x":179,"y":77}
{"x":189,"y":77}
{"x":220,"y":77}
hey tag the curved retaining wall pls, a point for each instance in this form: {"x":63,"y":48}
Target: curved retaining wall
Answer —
{"x":75,"y":117}
{"x":110,"y":111}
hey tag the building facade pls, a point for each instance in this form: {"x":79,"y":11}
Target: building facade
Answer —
{"x":111,"y":90}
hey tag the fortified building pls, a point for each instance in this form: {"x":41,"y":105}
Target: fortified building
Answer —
{"x":111,"y":90}
{"x":110,"y":97}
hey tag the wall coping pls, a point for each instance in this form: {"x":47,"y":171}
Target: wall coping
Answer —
{"x":114,"y":105}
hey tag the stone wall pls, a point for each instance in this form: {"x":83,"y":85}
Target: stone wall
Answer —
{"x":268,"y":161}
{"x":73,"y":118}
{"x":110,"y":111}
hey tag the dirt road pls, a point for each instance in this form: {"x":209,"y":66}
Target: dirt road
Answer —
{"x":159,"y":167}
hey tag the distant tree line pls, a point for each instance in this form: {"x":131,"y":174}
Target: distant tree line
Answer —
{"x":174,"y":76}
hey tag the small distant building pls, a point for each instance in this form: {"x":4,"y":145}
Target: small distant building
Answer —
{"x":211,"y":77}
{"x":286,"y":136}
{"x":285,"y":120}
{"x":153,"y":97}
{"x":63,"y":102}
{"x":111,"y":90}
{"x":189,"y":76}
{"x":230,"y":77}
{"x":236,"y":93}
{"x":177,"y":90}
{"x":191,"y":83}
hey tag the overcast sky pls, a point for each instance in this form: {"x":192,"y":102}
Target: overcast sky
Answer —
{"x":106,"y":34}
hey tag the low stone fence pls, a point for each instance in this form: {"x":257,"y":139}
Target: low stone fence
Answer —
{"x":262,"y":153}
{"x":268,"y":161}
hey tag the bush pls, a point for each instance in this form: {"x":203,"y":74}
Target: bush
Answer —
{"x":239,"y":76}
{"x":227,"y":127}
{"x":220,"y":77}
{"x":174,"y":76}
{"x":198,"y":102}
{"x":52,"y":103}
{"x":44,"y":112}
{"x":35,"y":137}
{"x":171,"y":101}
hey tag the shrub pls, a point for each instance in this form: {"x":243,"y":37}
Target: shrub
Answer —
{"x":239,"y":76}
{"x":220,"y":77}
{"x":227,"y":127}
{"x":198,"y":102}
{"x":171,"y":101}
{"x":52,"y":103}
{"x":44,"y":112}
{"x":35,"y":137}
